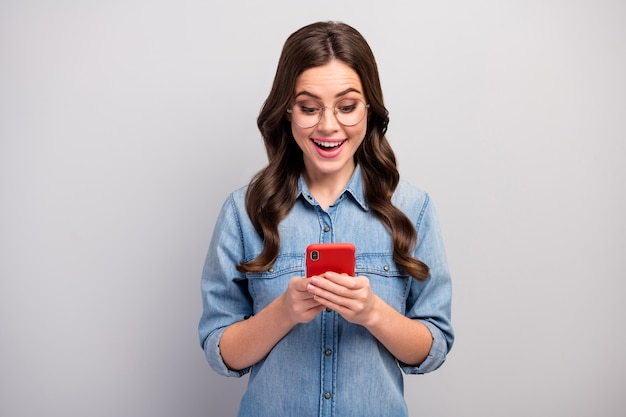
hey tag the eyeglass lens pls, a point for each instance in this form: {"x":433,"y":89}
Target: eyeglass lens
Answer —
{"x":308,"y":113}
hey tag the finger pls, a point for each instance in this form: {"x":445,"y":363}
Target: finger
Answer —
{"x":329,"y":297}
{"x":330,"y":286}
{"x":343,"y":280}
{"x":299,"y":283}
{"x":342,"y":307}
{"x":309,"y":304}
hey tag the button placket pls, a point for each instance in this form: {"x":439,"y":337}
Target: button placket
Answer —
{"x":330,"y":323}
{"x":329,"y":360}
{"x":326,"y":226}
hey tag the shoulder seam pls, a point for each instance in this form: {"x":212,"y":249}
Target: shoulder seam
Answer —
{"x":422,"y":211}
{"x":233,"y":206}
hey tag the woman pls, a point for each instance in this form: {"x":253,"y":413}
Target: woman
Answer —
{"x":333,"y":344}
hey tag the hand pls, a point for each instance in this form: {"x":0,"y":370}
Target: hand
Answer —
{"x":351,"y":297}
{"x":246,"y":342}
{"x":300,"y":303}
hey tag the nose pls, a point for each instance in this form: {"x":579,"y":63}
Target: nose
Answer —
{"x":329,"y":121}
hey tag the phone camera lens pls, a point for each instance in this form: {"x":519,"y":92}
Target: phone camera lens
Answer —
{"x":315,"y":255}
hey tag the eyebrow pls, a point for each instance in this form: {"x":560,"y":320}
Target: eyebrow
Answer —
{"x":340,"y":94}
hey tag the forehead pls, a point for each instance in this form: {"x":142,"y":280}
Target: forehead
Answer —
{"x":328,"y":80}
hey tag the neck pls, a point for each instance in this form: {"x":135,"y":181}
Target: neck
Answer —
{"x":326,"y":188}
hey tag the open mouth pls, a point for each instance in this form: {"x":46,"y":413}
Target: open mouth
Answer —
{"x":327,"y":146}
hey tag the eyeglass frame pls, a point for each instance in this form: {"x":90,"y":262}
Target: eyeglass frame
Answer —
{"x":323,"y":109}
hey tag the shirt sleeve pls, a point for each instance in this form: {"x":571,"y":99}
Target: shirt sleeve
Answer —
{"x":430,"y":301}
{"x":225,"y":297}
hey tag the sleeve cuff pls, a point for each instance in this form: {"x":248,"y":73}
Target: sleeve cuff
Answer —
{"x":436,"y":357}
{"x":214,"y":357}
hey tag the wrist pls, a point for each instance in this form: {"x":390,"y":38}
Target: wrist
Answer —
{"x":284,"y":314}
{"x":375,"y":317}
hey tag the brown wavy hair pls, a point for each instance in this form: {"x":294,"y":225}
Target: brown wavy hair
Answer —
{"x":273,"y":190}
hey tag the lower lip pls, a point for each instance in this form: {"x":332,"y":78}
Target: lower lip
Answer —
{"x":330,"y":153}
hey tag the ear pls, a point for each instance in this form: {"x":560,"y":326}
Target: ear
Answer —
{"x":288,"y":116}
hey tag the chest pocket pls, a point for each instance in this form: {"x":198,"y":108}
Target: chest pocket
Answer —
{"x":265,"y":286}
{"x":387,"y":280}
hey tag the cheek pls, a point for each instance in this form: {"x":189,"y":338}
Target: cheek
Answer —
{"x":300,"y":135}
{"x":358,"y":132}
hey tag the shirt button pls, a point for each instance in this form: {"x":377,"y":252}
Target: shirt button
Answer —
{"x":328,"y":310}
{"x":270,"y":270}
{"x":327,"y":395}
{"x":386,"y":267}
{"x":326,"y":229}
{"x":328,"y":352}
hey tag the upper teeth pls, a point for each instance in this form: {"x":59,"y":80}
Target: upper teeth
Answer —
{"x":328,"y":144}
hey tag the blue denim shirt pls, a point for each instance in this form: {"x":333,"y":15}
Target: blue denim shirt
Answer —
{"x":327,"y":367}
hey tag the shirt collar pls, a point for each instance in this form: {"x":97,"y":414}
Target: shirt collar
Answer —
{"x":353,"y":188}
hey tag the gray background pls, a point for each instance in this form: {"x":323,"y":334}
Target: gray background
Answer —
{"x":124,"y":124}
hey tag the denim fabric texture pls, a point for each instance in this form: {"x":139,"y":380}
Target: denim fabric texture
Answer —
{"x":328,"y":367}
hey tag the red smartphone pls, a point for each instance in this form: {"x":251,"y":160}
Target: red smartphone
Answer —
{"x":330,"y":257}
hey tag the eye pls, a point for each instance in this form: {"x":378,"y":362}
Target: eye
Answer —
{"x":308,"y":108}
{"x":347,"y":106}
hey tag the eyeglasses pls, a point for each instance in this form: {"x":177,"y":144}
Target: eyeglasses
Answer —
{"x":308,"y":113}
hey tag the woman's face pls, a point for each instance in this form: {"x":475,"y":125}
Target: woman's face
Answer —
{"x":329,"y":146}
